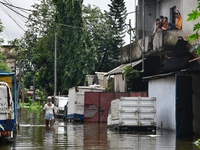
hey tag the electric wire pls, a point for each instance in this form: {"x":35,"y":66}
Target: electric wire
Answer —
{"x":12,"y":18}
{"x":16,"y":6}
{"x":8,"y":2}
{"x":11,"y":7}
{"x":15,"y":11}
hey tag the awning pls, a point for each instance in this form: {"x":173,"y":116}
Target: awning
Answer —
{"x":120,"y":69}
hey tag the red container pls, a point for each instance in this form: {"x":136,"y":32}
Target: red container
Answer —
{"x":97,"y":105}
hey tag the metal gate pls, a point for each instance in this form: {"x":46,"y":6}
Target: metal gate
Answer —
{"x":97,"y":105}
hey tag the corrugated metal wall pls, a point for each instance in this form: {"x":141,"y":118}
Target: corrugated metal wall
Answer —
{"x":97,"y":105}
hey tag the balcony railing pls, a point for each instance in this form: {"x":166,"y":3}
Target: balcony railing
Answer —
{"x":162,"y":41}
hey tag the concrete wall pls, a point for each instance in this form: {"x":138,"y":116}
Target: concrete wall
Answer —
{"x":149,"y":17}
{"x":165,"y":6}
{"x":164,"y":90}
{"x":188,"y":6}
{"x":196,"y":103}
{"x":185,"y":7}
{"x":154,"y":8}
{"x":161,"y":40}
{"x":166,"y":39}
{"x":135,"y":53}
{"x":119,"y":83}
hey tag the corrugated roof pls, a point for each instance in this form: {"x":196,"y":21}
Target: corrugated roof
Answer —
{"x":180,"y":57}
{"x":177,"y":63}
{"x":120,"y":69}
{"x":181,"y":48}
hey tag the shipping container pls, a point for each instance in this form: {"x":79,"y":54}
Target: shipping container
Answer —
{"x":132,"y":114}
{"x":75,"y":110}
{"x":97,"y":105}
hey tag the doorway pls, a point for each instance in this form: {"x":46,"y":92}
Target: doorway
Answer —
{"x":184,"y":115}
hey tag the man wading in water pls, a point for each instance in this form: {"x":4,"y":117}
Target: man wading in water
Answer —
{"x":49,"y":112}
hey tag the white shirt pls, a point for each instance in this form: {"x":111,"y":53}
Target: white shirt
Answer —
{"x":48,"y":109}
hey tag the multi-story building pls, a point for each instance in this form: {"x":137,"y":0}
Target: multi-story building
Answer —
{"x":167,"y":65}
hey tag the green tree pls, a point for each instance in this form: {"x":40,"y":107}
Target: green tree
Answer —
{"x":100,"y":35}
{"x":194,"y":15}
{"x":1,"y":30}
{"x":3,"y":65}
{"x":36,"y":49}
{"x":117,"y":15}
{"x":40,"y":38}
{"x":75,"y":55}
{"x":116,"y":20}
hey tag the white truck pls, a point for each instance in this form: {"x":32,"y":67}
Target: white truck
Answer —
{"x":132,"y":114}
{"x":60,"y":103}
{"x":7,"y":112}
{"x":76,"y":95}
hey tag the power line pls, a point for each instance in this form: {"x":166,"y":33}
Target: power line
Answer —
{"x":12,"y":18}
{"x":16,"y":10}
{"x":8,"y":6}
{"x":16,"y":6}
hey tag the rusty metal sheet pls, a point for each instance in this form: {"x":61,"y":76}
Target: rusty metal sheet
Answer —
{"x":139,"y":94}
{"x":97,"y":105}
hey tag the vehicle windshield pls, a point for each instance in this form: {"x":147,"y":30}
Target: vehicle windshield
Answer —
{"x":62,"y":102}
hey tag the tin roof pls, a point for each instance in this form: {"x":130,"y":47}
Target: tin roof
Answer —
{"x":177,"y":63}
{"x":120,"y":69}
{"x":180,"y":57}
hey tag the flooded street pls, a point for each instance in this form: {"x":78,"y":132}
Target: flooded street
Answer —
{"x":33,"y":134}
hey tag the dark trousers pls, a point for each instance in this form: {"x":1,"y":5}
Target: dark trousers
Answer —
{"x":172,"y":26}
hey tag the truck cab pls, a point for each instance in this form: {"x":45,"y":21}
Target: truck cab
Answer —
{"x":7,"y":121}
{"x":8,"y":105}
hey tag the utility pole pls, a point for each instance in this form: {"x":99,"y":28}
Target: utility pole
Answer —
{"x":130,"y":42}
{"x":55,"y":66}
{"x":34,"y":88}
{"x":143,"y":47}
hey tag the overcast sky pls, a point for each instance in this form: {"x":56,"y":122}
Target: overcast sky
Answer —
{"x":14,"y":24}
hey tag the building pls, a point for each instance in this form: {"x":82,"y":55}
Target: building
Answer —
{"x":167,"y":65}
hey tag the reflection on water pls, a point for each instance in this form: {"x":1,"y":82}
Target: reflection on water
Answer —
{"x":88,"y":136}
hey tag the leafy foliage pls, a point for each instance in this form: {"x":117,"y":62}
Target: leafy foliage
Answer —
{"x":76,"y":58}
{"x":98,"y":29}
{"x":130,"y":73}
{"x":194,"y":15}
{"x":116,"y":19}
{"x":1,"y":30}
{"x":3,"y":65}
{"x":87,"y":40}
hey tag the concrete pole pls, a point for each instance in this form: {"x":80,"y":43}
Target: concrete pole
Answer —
{"x":143,"y":49}
{"x":130,"y":42}
{"x":55,"y":66}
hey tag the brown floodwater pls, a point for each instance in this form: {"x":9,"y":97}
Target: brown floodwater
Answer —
{"x":33,"y":135}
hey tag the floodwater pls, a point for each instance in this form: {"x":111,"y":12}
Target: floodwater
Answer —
{"x":33,"y":135}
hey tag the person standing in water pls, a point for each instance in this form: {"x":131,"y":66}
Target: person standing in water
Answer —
{"x":49,"y":112}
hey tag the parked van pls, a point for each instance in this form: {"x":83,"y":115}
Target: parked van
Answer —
{"x":60,"y":103}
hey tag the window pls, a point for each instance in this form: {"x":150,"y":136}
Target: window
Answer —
{"x":172,"y":15}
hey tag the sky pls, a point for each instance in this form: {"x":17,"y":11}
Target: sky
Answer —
{"x":14,"y":24}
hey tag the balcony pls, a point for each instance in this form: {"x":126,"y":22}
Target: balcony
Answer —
{"x":162,"y":44}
